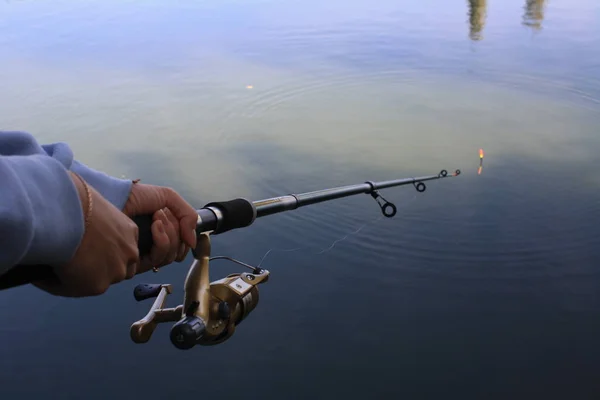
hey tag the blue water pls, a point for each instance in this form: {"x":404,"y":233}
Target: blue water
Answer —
{"x":483,"y":286}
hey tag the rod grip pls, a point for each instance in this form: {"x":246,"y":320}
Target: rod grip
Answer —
{"x":24,"y":274}
{"x":237,"y":213}
{"x":145,"y":241}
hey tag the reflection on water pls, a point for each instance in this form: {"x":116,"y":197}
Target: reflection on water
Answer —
{"x":477,"y":14}
{"x":534,"y":13}
{"x":532,"y":17}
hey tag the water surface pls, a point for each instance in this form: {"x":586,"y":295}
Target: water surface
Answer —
{"x":484,"y":286}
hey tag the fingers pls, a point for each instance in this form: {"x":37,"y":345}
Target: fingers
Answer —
{"x":182,"y":253}
{"x":179,"y":248}
{"x":133,"y":263}
{"x":168,"y":246}
{"x":53,"y":288}
{"x":71,"y":284}
{"x":184,"y":213}
{"x":171,"y":228}
{"x":132,"y":269}
{"x":149,"y":198}
{"x":62,"y":290}
{"x":162,"y":243}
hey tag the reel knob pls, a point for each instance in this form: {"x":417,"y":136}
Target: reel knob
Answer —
{"x":186,"y":333}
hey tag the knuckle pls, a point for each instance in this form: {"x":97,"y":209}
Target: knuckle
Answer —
{"x":156,"y":260}
{"x":170,"y":192}
{"x":134,"y":258}
{"x":130,"y":273}
{"x":184,"y":254}
{"x":121,"y":274}
{"x":98,"y":288}
{"x":162,"y":248}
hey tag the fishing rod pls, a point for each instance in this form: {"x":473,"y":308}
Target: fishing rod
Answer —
{"x":211,"y":311}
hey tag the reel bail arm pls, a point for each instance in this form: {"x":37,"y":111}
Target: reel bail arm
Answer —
{"x":142,"y":330}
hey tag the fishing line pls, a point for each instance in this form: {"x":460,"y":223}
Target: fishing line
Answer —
{"x":322,"y":250}
{"x":330,"y":247}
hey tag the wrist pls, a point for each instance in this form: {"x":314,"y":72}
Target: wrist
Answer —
{"x":85,"y":197}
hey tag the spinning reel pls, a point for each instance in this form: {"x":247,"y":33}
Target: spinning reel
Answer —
{"x":210,"y":312}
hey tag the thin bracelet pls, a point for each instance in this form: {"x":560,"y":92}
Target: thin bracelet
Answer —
{"x":89,"y":196}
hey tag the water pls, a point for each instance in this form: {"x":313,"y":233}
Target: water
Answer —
{"x":484,"y":286}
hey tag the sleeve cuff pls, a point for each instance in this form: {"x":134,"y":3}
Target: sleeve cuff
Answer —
{"x":115,"y":190}
{"x":55,"y":219}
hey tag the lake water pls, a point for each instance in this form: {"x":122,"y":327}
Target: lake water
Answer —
{"x":485,"y":286}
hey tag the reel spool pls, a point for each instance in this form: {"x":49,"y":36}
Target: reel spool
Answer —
{"x":210,"y":311}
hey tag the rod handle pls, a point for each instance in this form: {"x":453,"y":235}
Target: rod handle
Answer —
{"x":25,"y":274}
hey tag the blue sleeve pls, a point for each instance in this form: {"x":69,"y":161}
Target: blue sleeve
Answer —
{"x":41,"y":219}
{"x":112,"y":189}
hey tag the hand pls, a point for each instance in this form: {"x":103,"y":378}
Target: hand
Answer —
{"x":173,"y":226}
{"x":107,"y":254}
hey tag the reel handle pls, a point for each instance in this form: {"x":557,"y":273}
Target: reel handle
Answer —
{"x":142,"y":330}
{"x":145,"y":291}
{"x":24,"y":274}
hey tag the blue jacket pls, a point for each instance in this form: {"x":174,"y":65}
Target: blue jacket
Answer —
{"x":41,"y":219}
